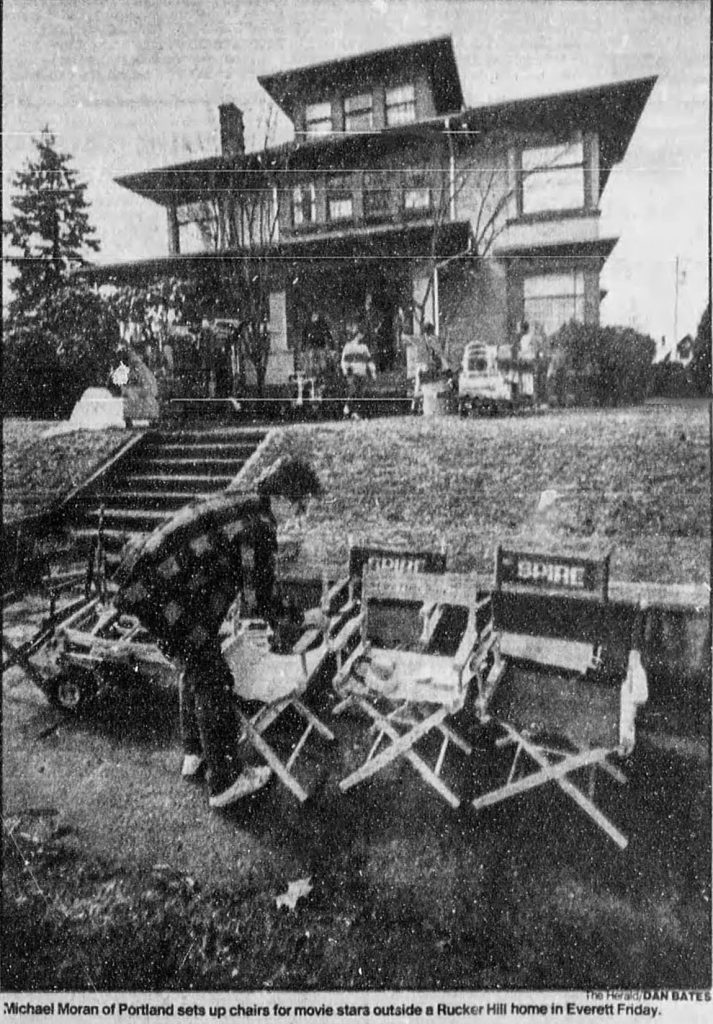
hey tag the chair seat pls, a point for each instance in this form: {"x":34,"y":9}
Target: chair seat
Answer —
{"x":261,"y":675}
{"x":570,"y":655}
{"x":411,"y":676}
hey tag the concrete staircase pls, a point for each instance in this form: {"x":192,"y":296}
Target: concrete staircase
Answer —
{"x":167,"y":470}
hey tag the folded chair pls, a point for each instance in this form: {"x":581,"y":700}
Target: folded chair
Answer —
{"x":566,"y":679}
{"x":406,"y":661}
{"x":277,"y":682}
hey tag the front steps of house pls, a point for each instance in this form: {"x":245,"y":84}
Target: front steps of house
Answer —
{"x":168,"y":470}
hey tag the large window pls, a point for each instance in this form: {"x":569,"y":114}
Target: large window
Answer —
{"x":319,"y":118}
{"x":358,"y":113}
{"x":552,"y":300}
{"x":553,"y":178}
{"x":303,"y":205}
{"x":400,"y":105}
{"x":340,"y":202}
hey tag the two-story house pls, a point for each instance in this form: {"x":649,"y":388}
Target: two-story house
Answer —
{"x":472,"y":218}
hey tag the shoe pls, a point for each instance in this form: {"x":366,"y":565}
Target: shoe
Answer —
{"x":249,"y":781}
{"x":192,"y":765}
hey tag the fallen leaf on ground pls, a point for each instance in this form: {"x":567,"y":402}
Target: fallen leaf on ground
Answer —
{"x":295,"y":891}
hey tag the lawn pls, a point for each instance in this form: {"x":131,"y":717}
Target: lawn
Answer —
{"x":38,"y":470}
{"x":634,"y":480}
{"x":116,"y":876}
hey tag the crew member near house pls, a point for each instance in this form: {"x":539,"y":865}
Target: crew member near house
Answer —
{"x":317,"y":344}
{"x":371,"y":327}
{"x":357,"y":362}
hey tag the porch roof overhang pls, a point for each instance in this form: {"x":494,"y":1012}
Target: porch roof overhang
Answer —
{"x":410,"y":241}
{"x":421,"y":240}
{"x":599,"y":250}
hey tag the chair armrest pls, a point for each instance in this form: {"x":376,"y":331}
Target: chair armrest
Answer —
{"x":306,"y":641}
{"x":334,"y":591}
{"x":466,"y":646}
{"x":352,"y":627}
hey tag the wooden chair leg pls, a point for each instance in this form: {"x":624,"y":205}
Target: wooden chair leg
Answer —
{"x":401,"y":746}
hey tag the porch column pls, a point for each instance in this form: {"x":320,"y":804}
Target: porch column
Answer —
{"x":174,"y":233}
{"x":281,"y":364}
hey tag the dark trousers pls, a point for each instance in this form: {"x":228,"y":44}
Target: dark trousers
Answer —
{"x":209,"y":725}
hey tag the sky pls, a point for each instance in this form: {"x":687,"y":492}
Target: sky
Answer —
{"x":130,"y":84}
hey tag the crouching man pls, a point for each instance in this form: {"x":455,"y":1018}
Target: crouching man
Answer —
{"x":209,"y":726}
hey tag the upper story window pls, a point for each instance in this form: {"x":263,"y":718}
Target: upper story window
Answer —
{"x":318,"y":118}
{"x":552,"y":300}
{"x":553,"y":178}
{"x":400,"y":105}
{"x":303,"y":205}
{"x":416,"y":193}
{"x":376,"y":195}
{"x":358,"y":113}
{"x":340,"y":201}
{"x":417,"y":199}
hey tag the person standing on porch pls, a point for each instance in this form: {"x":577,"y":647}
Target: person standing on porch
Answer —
{"x":370,"y":327}
{"x":357,"y":361}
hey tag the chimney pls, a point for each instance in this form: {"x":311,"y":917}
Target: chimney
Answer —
{"x":232,"y":130}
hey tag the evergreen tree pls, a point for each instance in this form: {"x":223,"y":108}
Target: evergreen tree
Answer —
{"x":49,"y":231}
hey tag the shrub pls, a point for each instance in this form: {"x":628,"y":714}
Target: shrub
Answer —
{"x":51,"y":356}
{"x":671,"y":380}
{"x":600,"y":365}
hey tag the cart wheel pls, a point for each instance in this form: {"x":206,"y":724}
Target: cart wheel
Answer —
{"x":72,"y":691}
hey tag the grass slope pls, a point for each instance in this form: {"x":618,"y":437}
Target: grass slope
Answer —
{"x":38,"y":469}
{"x":637,"y":480}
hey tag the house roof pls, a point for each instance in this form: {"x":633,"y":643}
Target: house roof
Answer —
{"x":435,"y":56}
{"x":613,"y":110}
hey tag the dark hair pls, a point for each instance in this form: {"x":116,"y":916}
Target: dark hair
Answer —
{"x":524,"y":327}
{"x":428,"y":328}
{"x":289,"y":478}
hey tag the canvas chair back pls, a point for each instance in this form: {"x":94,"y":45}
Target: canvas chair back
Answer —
{"x":410,"y":598}
{"x":573,"y":648}
{"x":397,"y":622}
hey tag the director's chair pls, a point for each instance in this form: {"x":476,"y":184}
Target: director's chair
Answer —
{"x":277,"y":682}
{"x":566,"y":679}
{"x":419,"y":642}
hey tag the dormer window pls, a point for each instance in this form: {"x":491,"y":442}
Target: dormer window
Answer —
{"x":400,"y":105}
{"x":319,"y":118}
{"x":303,"y":205}
{"x":553,"y":178}
{"x":358,"y":113}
